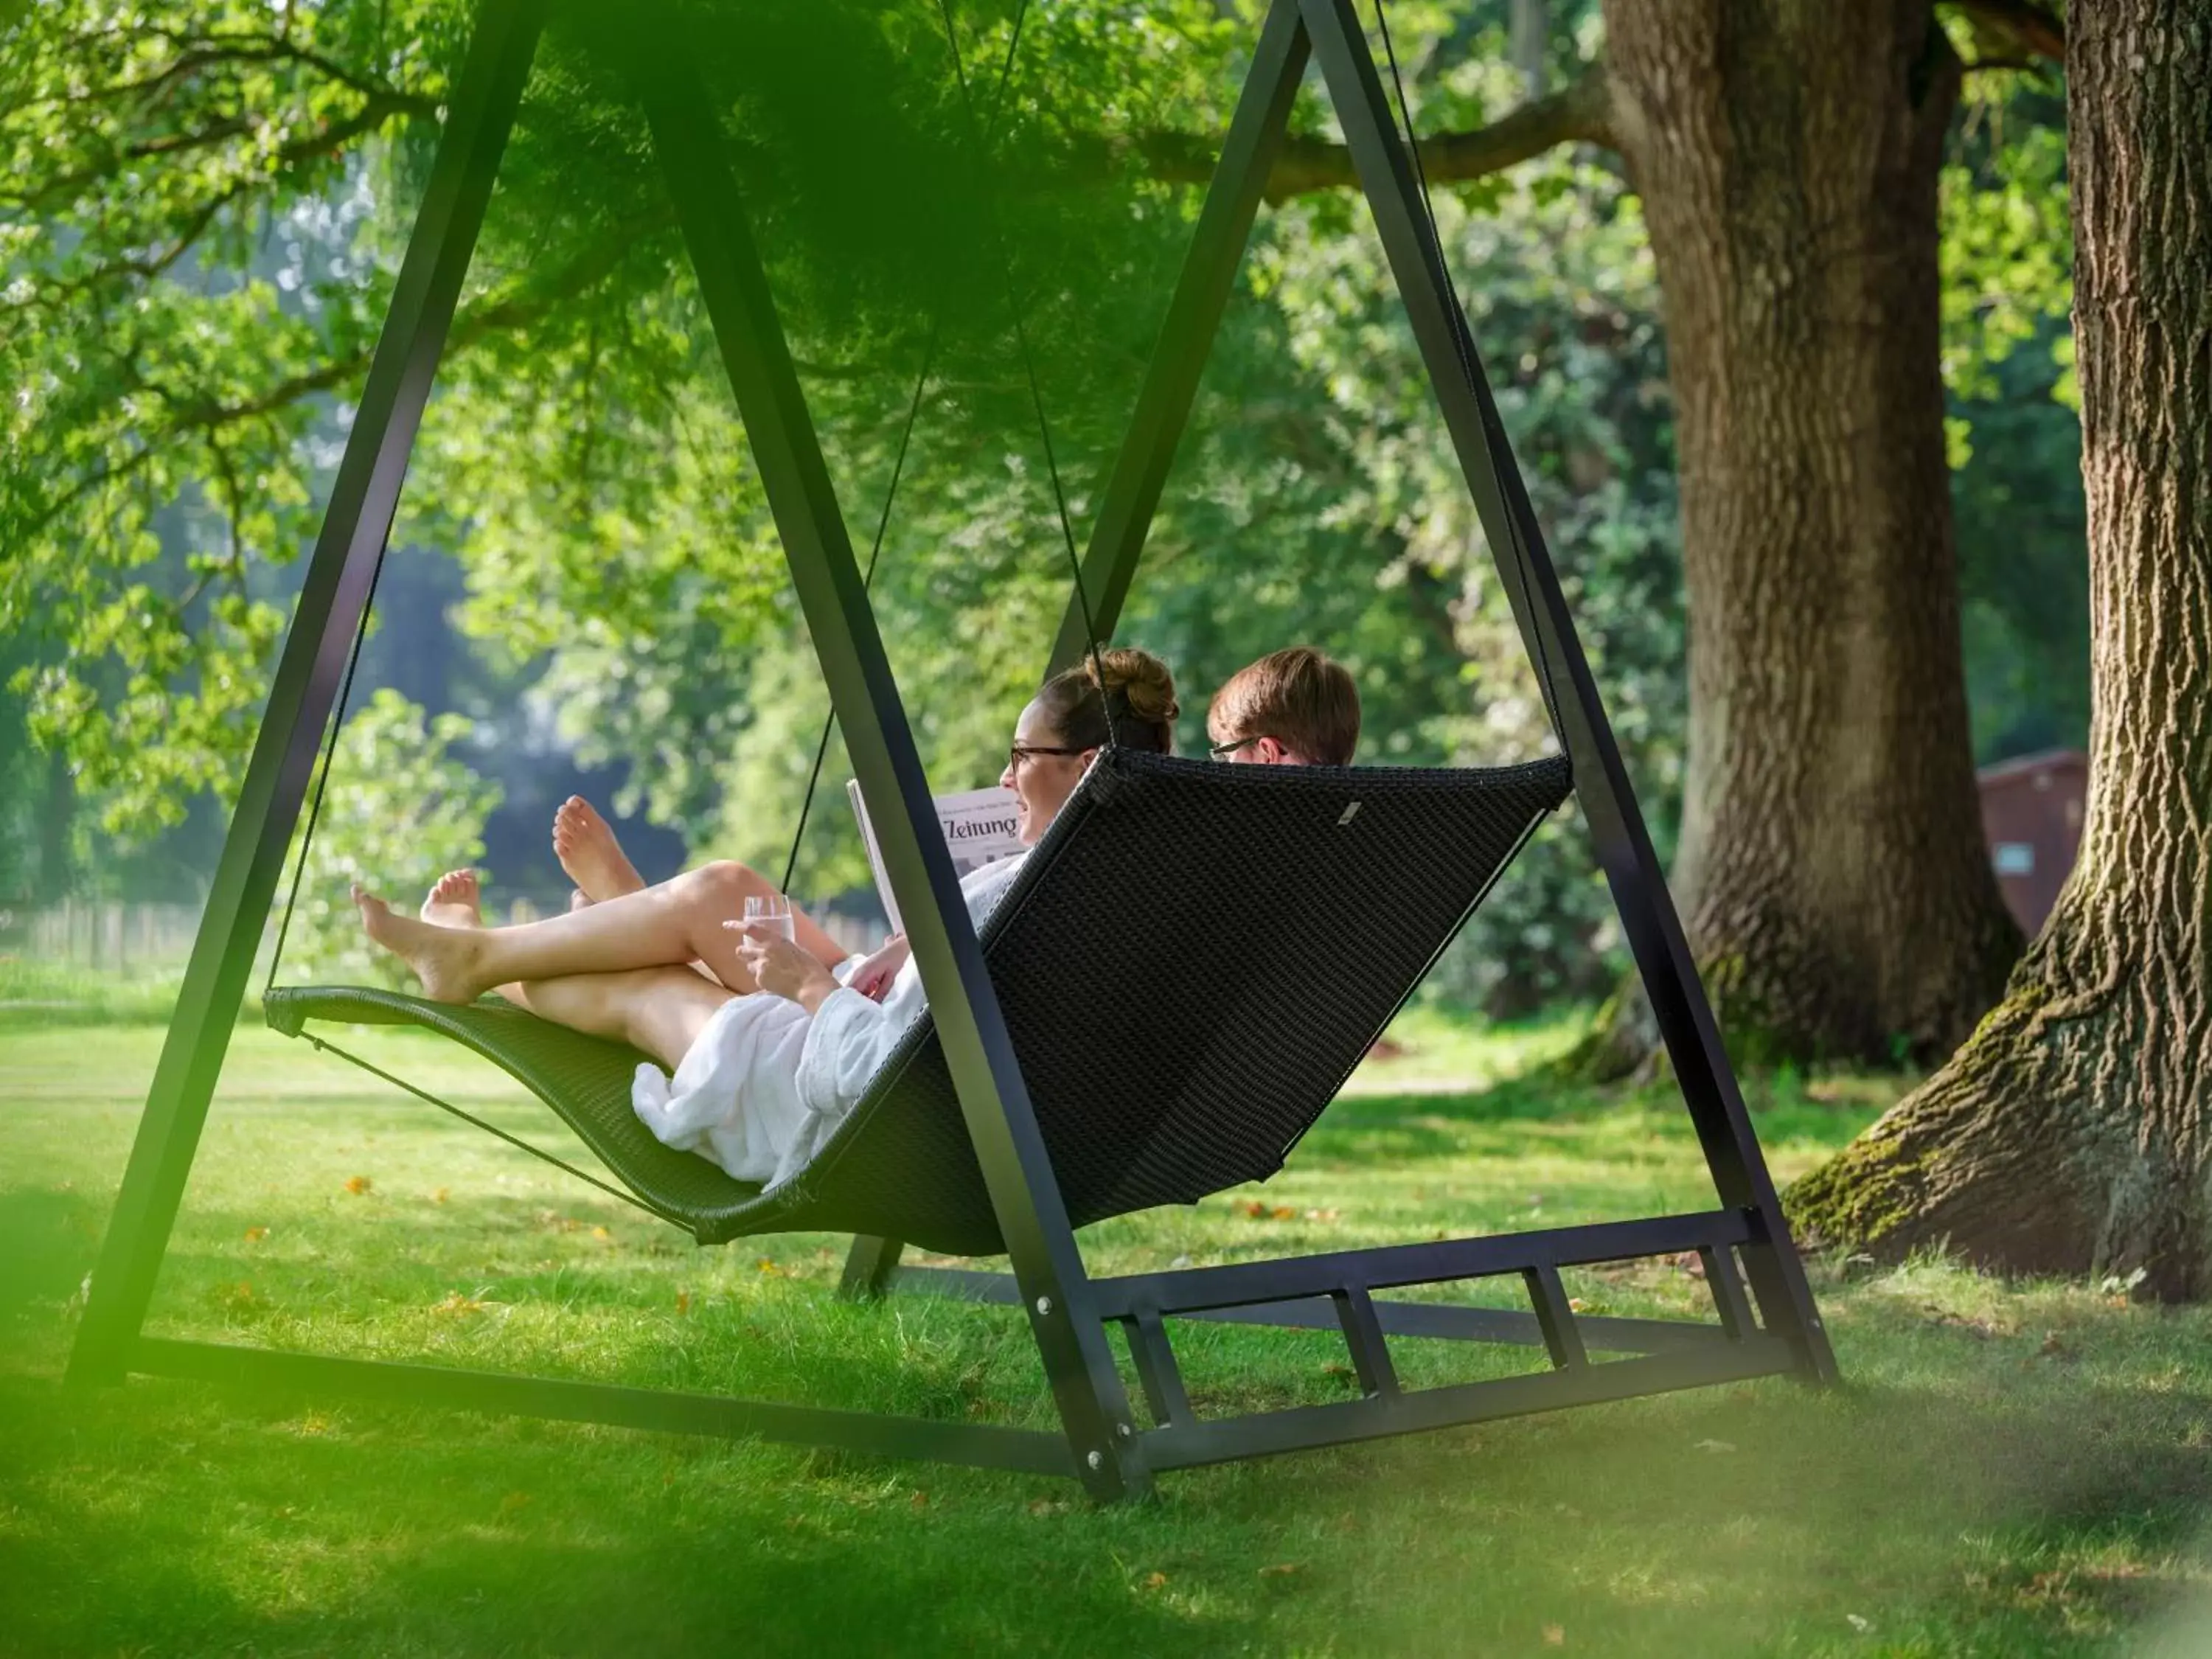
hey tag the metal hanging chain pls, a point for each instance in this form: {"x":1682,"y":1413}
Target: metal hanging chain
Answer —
{"x":1029,"y":362}
{"x":1463,"y":344}
{"x":898,"y":468}
{"x":329,"y":754}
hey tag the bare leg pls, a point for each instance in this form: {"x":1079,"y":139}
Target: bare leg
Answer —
{"x":660,"y":1010}
{"x":678,"y":922}
{"x":594,"y":858}
{"x":585,"y":843}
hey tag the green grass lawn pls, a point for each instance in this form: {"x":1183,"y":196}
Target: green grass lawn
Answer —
{"x":2008,"y":1471}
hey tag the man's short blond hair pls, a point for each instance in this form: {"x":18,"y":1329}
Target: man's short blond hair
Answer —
{"x":1298,"y":697}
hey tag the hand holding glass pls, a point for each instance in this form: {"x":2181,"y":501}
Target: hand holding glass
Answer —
{"x":772,"y":910}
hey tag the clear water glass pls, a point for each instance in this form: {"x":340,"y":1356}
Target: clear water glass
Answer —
{"x":774,"y":909}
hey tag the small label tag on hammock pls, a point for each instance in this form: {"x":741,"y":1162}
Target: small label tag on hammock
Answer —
{"x":1350,"y":813}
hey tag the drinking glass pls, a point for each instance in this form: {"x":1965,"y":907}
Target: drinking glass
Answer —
{"x":774,"y":908}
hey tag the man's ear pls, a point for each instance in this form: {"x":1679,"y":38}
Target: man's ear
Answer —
{"x":1271,"y":752}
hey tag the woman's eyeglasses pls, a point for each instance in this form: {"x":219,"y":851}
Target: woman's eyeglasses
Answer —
{"x":1222,"y":751}
{"x":1022,"y":751}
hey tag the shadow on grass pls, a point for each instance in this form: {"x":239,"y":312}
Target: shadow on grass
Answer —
{"x":1749,"y":1521}
{"x":47,"y":1243}
{"x":377,"y":1530}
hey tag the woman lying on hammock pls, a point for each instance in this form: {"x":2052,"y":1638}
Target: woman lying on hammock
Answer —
{"x":770,"y":1055}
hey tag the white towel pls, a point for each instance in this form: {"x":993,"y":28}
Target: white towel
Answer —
{"x":764,"y":1086}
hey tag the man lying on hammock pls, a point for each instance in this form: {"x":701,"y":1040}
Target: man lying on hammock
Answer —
{"x":759,"y":1082}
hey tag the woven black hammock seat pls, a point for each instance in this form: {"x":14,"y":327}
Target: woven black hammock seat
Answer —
{"x":1193,"y":961}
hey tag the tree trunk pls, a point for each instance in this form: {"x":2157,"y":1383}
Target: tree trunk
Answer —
{"x":2074,"y":1134}
{"x":57,"y":820}
{"x":1831,"y":872}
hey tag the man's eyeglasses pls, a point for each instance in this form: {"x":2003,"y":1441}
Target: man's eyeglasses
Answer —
{"x":1222,"y":751}
{"x":1022,"y":751}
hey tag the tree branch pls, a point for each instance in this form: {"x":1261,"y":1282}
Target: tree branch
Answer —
{"x":1580,"y":111}
{"x":517,"y":309}
{"x":2024,"y":22}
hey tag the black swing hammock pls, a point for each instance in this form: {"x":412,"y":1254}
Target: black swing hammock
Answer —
{"x":1181,"y":1018}
{"x":1191,"y":962}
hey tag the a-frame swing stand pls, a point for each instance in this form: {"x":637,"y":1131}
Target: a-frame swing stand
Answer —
{"x":1766,"y":1322}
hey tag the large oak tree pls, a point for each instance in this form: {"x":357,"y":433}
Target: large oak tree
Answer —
{"x":2074,"y":1133}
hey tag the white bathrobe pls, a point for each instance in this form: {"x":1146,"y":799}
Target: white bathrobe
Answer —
{"x":764,"y":1084}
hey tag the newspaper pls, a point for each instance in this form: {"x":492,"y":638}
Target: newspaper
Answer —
{"x":981,"y":827}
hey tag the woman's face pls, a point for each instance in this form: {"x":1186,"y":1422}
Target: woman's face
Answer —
{"x":1042,"y":782}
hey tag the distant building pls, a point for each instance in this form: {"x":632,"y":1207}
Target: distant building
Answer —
{"x":2031,"y":818}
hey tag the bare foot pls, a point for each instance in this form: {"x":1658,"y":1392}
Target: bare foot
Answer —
{"x":579,"y":899}
{"x":456,"y":901}
{"x":443,"y":958}
{"x":585,"y":845}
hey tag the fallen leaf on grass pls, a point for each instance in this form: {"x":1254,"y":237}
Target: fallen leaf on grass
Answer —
{"x":1282,"y":1570}
{"x":1691,"y":1263}
{"x":1048,"y":1506}
{"x":601,"y":1232}
{"x":438,"y":1197}
{"x":1555,"y":1636}
{"x":358,"y":1184}
{"x":1156,"y":1580}
{"x":1862,"y":1626}
{"x":1576,"y":1304}
{"x":513,"y":1502}
{"x":455,"y":1303}
{"x":1715,"y":1446}
{"x":683,"y":1303}
{"x":1260,"y":1211}
{"x":920,"y":1500}
{"x":2053,"y":1346}
{"x":769,"y":1265}
{"x":255,"y":1235}
{"x":241,"y":1295}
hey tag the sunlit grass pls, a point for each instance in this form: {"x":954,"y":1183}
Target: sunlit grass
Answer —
{"x":2009,"y":1470}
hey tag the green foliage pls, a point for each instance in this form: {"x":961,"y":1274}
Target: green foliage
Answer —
{"x":400,"y":811}
{"x":202,"y":223}
{"x":2015,"y":435}
{"x":2008,"y":240}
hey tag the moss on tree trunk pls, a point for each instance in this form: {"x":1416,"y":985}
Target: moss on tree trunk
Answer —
{"x":2073,"y":1132}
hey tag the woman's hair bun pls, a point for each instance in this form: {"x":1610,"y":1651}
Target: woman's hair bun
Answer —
{"x":1146,"y":683}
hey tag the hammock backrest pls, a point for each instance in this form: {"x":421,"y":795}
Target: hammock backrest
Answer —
{"x":1195,"y":959}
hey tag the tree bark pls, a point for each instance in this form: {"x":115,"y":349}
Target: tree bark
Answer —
{"x":1830,"y":873}
{"x":2074,"y":1134}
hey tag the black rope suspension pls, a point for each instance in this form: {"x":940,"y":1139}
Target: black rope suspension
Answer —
{"x":1028,"y":364}
{"x":329,"y":754}
{"x":1463,"y":346}
{"x":906,"y":435}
